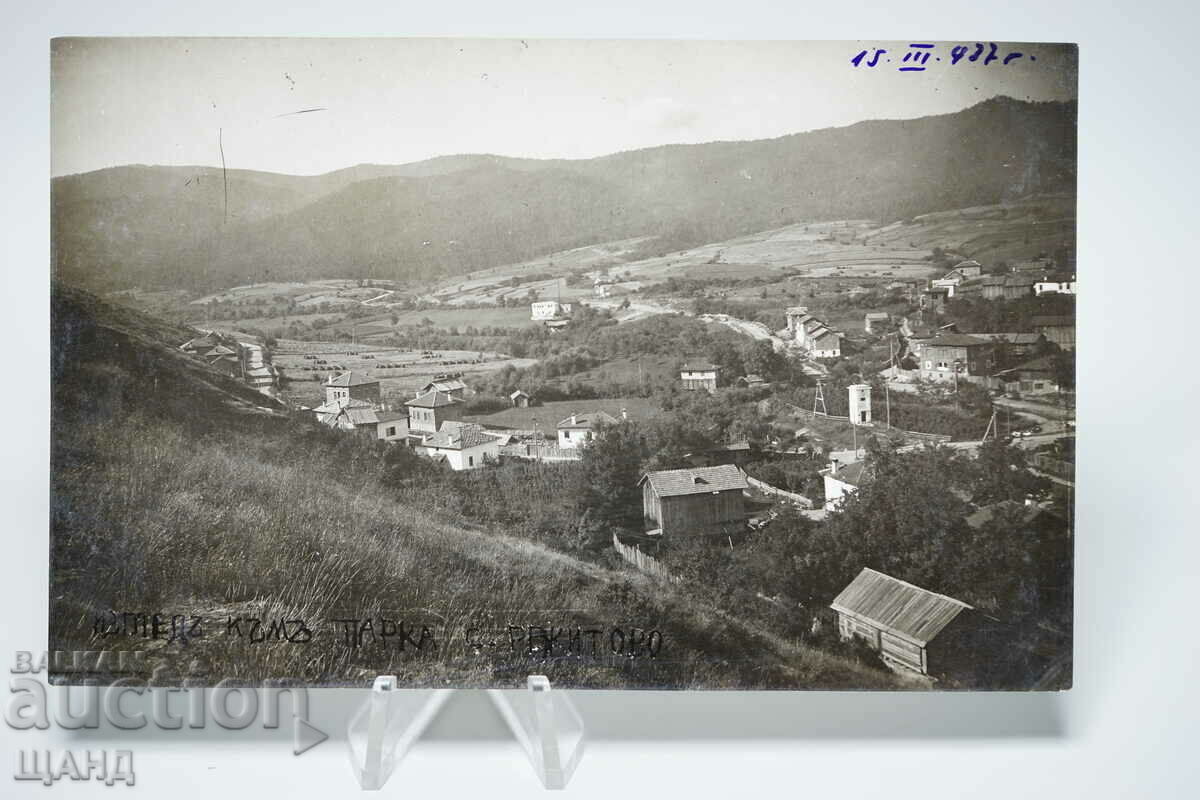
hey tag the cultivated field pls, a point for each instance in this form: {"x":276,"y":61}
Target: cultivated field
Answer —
{"x":400,"y":372}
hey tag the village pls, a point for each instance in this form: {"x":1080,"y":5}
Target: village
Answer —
{"x":816,"y":402}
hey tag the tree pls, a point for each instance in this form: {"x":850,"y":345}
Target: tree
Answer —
{"x":612,"y":464}
{"x":1063,"y":368}
{"x":759,"y":357}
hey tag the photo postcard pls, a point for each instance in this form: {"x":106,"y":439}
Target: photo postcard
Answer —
{"x":634,"y":364}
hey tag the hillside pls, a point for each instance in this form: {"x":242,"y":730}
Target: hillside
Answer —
{"x":175,"y":492}
{"x":147,"y":226}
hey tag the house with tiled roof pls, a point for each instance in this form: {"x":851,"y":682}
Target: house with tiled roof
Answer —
{"x":696,"y":501}
{"x":427,"y":412}
{"x":352,"y":385}
{"x":463,"y":445}
{"x":899,"y":620}
{"x":1034,"y":377}
{"x":950,"y":357}
{"x":451,"y":386}
{"x":579,"y":429}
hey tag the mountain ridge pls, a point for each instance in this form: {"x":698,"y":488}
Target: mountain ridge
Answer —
{"x":136,"y":226}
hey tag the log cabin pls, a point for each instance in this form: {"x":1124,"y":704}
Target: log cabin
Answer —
{"x":701,"y":500}
{"x":898,"y":620}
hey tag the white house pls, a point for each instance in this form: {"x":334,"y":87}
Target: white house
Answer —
{"x":463,"y":445}
{"x":860,"y":403}
{"x":699,"y":376}
{"x":579,"y":429}
{"x":812,"y":334}
{"x":841,"y":482}
{"x":825,"y":343}
{"x":1053,"y":285}
{"x":961,"y":272}
{"x":545,"y":310}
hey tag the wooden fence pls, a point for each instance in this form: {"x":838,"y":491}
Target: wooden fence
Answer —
{"x":645,"y":563}
{"x":877,"y":425}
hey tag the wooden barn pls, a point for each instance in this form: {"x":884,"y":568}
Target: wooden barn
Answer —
{"x":701,"y":500}
{"x":898,"y":619}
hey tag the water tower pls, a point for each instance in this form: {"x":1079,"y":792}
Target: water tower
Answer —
{"x":860,"y":404}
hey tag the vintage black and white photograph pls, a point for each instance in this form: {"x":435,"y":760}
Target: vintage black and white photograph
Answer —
{"x":633,"y":363}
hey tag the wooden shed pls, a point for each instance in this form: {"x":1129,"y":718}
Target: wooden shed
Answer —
{"x":702,"y":500}
{"x":896,"y":618}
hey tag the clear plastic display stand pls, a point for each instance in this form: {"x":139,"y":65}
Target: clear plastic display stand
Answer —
{"x":545,"y":723}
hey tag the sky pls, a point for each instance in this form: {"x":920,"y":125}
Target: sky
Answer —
{"x":180,"y":101}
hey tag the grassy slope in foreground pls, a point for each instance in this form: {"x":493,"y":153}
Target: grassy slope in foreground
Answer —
{"x":218,"y":513}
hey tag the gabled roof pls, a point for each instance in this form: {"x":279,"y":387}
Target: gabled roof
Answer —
{"x":956,"y":340}
{"x":350,"y":378}
{"x":852,"y":474}
{"x":220,"y":350}
{"x":700,"y":480}
{"x":897,"y":606}
{"x":588,"y":419}
{"x":391,"y":416}
{"x":1042,"y":364}
{"x":518,"y":393}
{"x":328,"y":408}
{"x":1011,"y":338}
{"x":458,"y":436}
{"x":1019,"y":279}
{"x":207,"y":340}
{"x":336,"y":406}
{"x":698,"y":366}
{"x":873,"y":315}
{"x":432,"y":399}
{"x":360,"y":416}
{"x":823,"y":334}
{"x":454,"y":385}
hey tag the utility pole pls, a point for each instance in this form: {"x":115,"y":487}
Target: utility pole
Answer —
{"x":992,"y":427}
{"x":887,"y":390}
{"x":955,"y":365}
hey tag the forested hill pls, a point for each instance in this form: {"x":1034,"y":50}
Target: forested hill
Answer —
{"x":142,"y":225}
